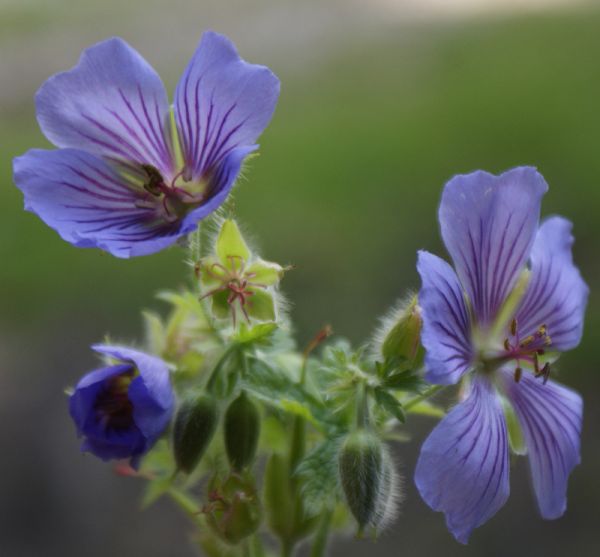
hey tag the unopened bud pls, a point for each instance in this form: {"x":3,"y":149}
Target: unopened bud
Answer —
{"x":368,"y":479}
{"x":242,"y":430}
{"x":400,"y":332}
{"x":195,"y":424}
{"x":234,"y":511}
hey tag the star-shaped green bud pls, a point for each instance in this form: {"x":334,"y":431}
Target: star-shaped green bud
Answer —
{"x":237,"y":280}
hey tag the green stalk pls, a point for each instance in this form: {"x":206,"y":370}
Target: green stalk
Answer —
{"x":210,"y":385}
{"x":428,"y":393}
{"x":319,"y":545}
{"x":362,"y":407}
{"x":185,"y":503}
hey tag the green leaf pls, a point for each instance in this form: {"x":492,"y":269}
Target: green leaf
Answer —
{"x":231,"y":245}
{"x":264,"y":272}
{"x":260,"y":305}
{"x":318,"y":473}
{"x":212,"y":273}
{"x":221,"y":308}
{"x":407,"y":380}
{"x":155,"y":490}
{"x":155,"y":332}
{"x":390,"y":403}
{"x":277,"y":388}
{"x":298,"y":409}
{"x":257,"y":334}
{"x":427,"y":408}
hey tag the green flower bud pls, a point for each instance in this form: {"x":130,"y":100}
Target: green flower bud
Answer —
{"x":242,"y":429}
{"x":400,"y":332}
{"x":234,"y":511}
{"x":368,"y":479}
{"x":237,"y":281}
{"x":195,"y":424}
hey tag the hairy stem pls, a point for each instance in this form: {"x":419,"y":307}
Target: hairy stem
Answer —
{"x":428,"y":393}
{"x":210,"y":385}
{"x":185,"y":503}
{"x":319,"y":545}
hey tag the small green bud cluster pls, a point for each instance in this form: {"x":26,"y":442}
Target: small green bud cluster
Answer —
{"x":196,"y":421}
{"x":236,"y":280}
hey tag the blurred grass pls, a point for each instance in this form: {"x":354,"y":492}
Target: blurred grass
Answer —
{"x":352,"y":168}
{"x":346,"y":188}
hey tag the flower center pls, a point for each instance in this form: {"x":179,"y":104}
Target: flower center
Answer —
{"x":113,"y":408}
{"x":236,"y":281}
{"x":171,"y":201}
{"x":528,"y":349}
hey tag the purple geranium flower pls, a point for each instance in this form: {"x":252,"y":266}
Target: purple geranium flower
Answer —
{"x":127,"y":178}
{"x":121,"y":410}
{"x":515,"y":301}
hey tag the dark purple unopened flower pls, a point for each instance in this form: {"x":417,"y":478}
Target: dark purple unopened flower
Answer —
{"x":131,"y":176}
{"x":515,"y":301}
{"x":121,"y":410}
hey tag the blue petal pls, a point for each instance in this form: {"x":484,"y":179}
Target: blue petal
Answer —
{"x":154,"y":373}
{"x":89,"y":204}
{"x":550,"y":416}
{"x":112,"y":104}
{"x":446,"y":327}
{"x":221,"y":103}
{"x":556,"y":295}
{"x":81,"y":402}
{"x":488,"y":225}
{"x":463,"y":466}
{"x":115,"y":444}
{"x":221,"y":182}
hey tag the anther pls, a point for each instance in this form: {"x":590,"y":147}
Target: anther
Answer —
{"x":527,"y":341}
{"x":518,"y":374}
{"x":507,"y":345}
{"x":544,"y":372}
{"x":513,"y":327}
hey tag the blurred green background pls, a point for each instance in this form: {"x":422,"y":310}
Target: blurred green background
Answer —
{"x":381,"y":103}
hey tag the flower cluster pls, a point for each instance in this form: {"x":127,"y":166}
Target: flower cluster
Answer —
{"x":132,"y":175}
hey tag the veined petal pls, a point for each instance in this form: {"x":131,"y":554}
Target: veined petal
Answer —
{"x":153,"y":371}
{"x":112,"y":103}
{"x":446,"y":325}
{"x":551,"y":417}
{"x":488,"y":224}
{"x":221,"y":103}
{"x":90,"y":205}
{"x":463,"y":466}
{"x":556,"y":295}
{"x":221,"y":181}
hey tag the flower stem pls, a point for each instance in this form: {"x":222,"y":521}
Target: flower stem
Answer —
{"x":434,"y":389}
{"x":210,"y":385}
{"x":362,"y":407}
{"x":319,"y":545}
{"x":185,"y":502}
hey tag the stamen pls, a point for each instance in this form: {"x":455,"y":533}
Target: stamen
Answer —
{"x":529,"y":350}
{"x":518,"y":374}
{"x":527,"y":341}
